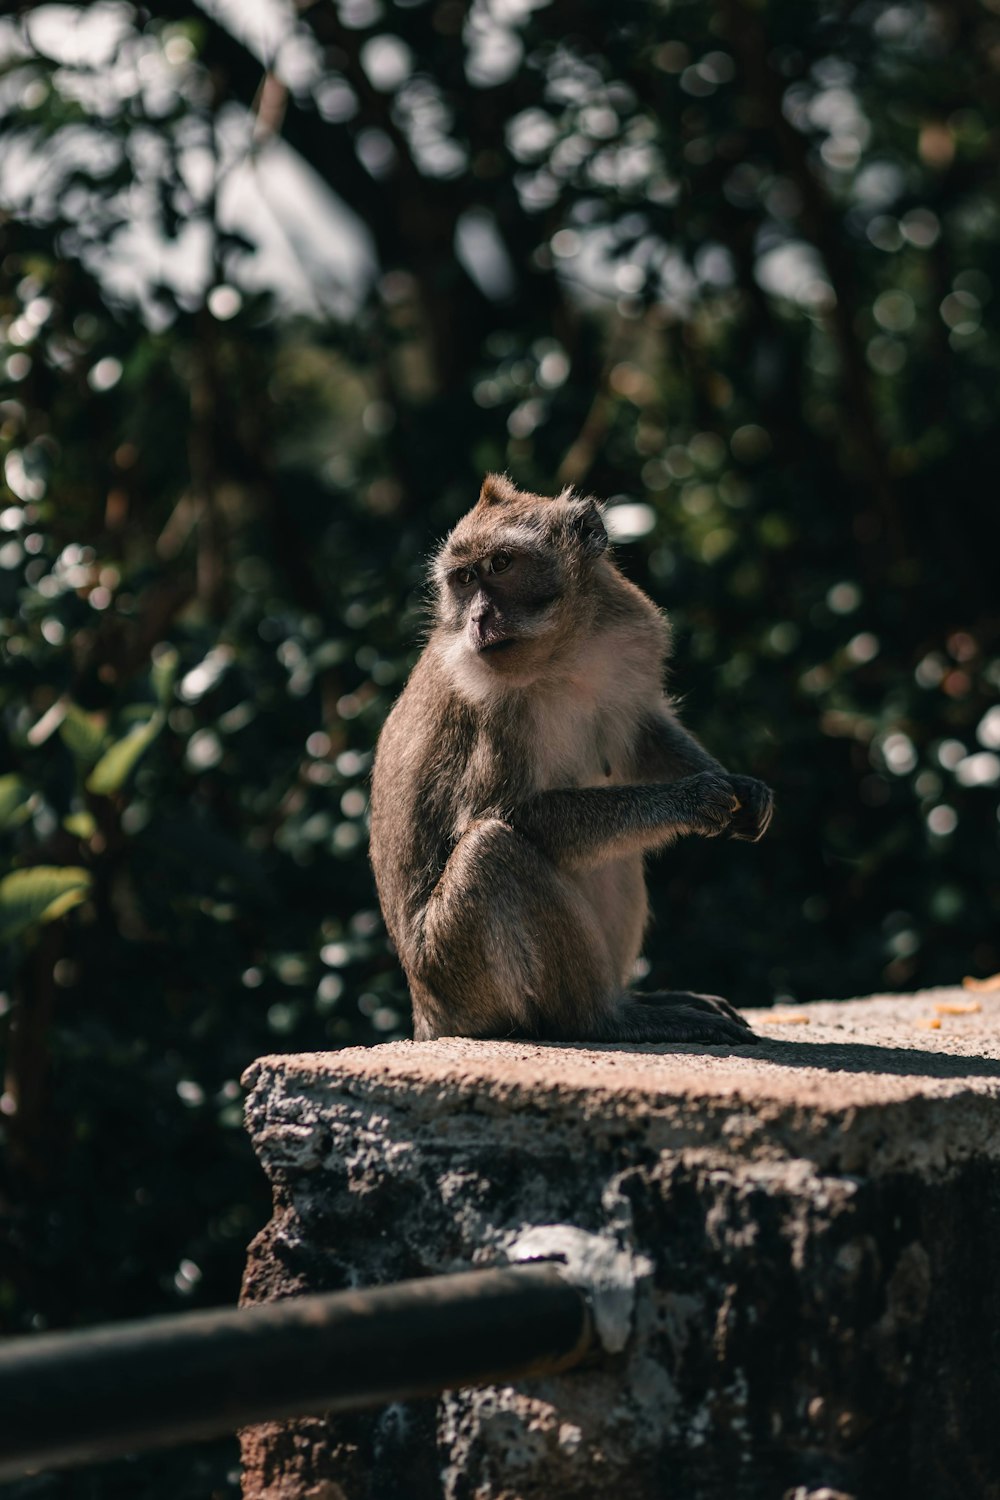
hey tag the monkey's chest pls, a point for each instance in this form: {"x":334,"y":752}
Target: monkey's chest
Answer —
{"x":574,"y":743}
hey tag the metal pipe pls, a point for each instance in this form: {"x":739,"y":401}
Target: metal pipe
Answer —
{"x":76,"y":1398}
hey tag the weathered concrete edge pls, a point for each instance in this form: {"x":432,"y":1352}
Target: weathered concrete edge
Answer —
{"x":298,"y":1117}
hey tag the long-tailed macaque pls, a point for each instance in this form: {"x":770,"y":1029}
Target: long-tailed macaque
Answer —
{"x":529,"y":766}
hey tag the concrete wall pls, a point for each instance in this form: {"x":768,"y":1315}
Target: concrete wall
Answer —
{"x":812,"y":1225}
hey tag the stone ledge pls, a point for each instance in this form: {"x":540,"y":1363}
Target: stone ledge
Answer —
{"x":859,"y":1084}
{"x":815,"y":1219}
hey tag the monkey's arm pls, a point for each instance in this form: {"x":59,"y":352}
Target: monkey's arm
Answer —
{"x":588,"y":825}
{"x":665,"y":750}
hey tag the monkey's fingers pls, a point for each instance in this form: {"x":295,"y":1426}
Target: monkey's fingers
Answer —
{"x":716,"y":1002}
{"x":688,"y":1024}
{"x":707,"y":1004}
{"x":756,"y":808}
{"x":751,"y":824}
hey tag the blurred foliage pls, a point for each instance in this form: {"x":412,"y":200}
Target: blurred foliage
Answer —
{"x":733,"y":266}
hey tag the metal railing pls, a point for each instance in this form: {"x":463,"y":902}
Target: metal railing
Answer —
{"x":76,"y":1398}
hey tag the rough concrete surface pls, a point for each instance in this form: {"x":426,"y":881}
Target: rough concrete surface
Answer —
{"x":812,"y":1223}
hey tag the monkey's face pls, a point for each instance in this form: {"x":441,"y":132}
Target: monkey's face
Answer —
{"x":510,"y":580}
{"x":503,"y":601}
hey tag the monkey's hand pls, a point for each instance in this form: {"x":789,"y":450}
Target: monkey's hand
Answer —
{"x":710,"y":802}
{"x":755,"y":809}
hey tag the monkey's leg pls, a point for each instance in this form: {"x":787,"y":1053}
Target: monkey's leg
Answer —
{"x":509,"y":946}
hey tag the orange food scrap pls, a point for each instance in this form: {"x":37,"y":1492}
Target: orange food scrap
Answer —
{"x":956,"y":1007}
{"x":782,"y":1018}
{"x":981,"y":986}
{"x":929,"y":1023}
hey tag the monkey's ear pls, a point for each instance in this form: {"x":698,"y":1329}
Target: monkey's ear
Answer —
{"x":498,"y":489}
{"x":588,"y":524}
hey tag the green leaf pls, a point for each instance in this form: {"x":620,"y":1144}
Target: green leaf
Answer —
{"x":39,"y":895}
{"x":119,"y":761}
{"x":136,"y":713}
{"x":15,"y":801}
{"x":82,"y":825}
{"x":83,"y":733}
{"x":162,"y":674}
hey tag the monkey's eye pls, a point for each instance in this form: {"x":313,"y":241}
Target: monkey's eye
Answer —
{"x":465,"y":577}
{"x":500,"y":562}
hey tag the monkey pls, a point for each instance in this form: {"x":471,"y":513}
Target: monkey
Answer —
{"x":529,"y":765}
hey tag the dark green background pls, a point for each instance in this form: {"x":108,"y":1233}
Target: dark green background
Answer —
{"x":791,"y":353}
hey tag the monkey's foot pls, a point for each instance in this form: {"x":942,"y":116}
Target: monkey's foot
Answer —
{"x":681,"y":1016}
{"x":711,"y":1003}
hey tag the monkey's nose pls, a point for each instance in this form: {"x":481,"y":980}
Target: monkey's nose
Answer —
{"x":487,"y":630}
{"x":484,"y":617}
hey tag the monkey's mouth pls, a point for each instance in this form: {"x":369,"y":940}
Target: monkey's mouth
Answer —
{"x":490,"y":648}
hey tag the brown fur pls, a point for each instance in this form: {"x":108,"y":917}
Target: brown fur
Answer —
{"x":530,"y":763}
